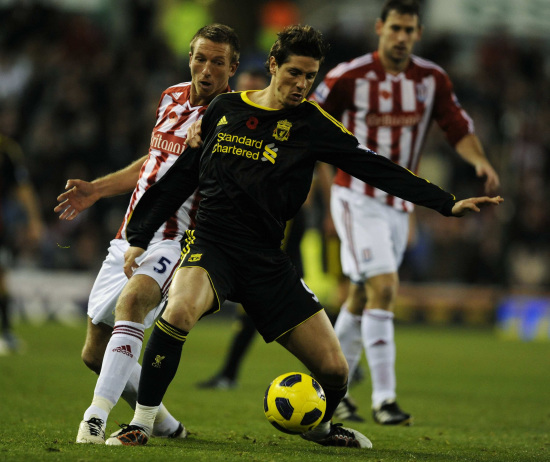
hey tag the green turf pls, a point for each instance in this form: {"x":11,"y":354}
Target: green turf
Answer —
{"x":474,"y":397}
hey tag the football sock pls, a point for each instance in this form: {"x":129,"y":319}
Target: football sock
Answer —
{"x":320,"y":431}
{"x":165,"y":423}
{"x":100,"y":407}
{"x":144,"y":417}
{"x":121,"y":356}
{"x":160,"y":362}
{"x":378,"y":339}
{"x":334,"y":396}
{"x":240,"y":344}
{"x":348,"y":331}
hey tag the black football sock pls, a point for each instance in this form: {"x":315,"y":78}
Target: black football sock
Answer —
{"x":160,"y":362}
{"x":239,"y":346}
{"x":334,"y":396}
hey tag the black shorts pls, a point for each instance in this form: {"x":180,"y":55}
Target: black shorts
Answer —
{"x":264,"y":281}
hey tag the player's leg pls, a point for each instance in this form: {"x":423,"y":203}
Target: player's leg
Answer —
{"x":325,"y":360}
{"x":377,"y":326}
{"x":97,"y":338}
{"x":92,"y":428}
{"x":124,"y":346}
{"x":191,"y":295}
{"x":115,"y":356}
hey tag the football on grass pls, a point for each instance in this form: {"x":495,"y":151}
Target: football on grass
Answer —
{"x":294,"y":403}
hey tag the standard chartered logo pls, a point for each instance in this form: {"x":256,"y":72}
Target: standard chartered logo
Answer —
{"x":238,"y":145}
{"x":245,"y":147}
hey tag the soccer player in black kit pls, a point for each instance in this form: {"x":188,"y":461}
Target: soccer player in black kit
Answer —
{"x":254,"y":171}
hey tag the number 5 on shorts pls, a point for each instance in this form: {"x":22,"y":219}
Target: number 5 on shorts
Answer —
{"x":163,"y":262}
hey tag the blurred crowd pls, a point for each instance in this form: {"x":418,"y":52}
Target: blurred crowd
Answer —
{"x":81,"y":102}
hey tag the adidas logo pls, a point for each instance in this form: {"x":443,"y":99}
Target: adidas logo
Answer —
{"x":270,"y":153}
{"x":124,"y":349}
{"x":223,"y":121}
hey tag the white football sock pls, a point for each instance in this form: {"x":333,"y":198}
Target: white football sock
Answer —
{"x":145,"y":417}
{"x":121,"y":356}
{"x":378,"y":339}
{"x":100,"y":407}
{"x":348,"y":331}
{"x":165,"y":423}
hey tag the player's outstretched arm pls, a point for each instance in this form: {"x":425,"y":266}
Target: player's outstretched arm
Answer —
{"x":474,"y":204}
{"x":130,"y":256}
{"x":80,"y":194}
{"x":471,"y":151}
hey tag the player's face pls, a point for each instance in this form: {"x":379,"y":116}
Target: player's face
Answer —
{"x":211,"y":68}
{"x":292,"y":81}
{"x":397,"y":36}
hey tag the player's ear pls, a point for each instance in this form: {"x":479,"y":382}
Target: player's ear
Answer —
{"x":272,"y":65}
{"x":419,"y":32}
{"x":378,"y":26}
{"x":233,"y":68}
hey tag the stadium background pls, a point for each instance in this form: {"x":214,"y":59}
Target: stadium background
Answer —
{"x":79,"y":83}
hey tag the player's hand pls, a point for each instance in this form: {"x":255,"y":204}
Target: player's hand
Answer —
{"x":194,"y":133}
{"x":474,"y":204}
{"x":79,"y":196}
{"x":492,"y":181}
{"x":130,"y":264}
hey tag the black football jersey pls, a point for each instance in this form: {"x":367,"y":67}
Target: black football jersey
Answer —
{"x":255,"y":169}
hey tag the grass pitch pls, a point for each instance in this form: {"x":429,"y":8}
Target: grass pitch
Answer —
{"x":474,"y":398}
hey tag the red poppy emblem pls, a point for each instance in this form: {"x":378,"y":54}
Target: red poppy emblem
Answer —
{"x":252,"y":123}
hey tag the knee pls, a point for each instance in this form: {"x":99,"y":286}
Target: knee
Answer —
{"x":332,"y":370}
{"x":357,"y":299}
{"x":382,"y":295}
{"x":387,"y":294}
{"x":180,"y":315}
{"x":132,"y":306}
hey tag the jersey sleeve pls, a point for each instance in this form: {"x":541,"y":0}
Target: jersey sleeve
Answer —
{"x":335,"y":145}
{"x":164,"y":198}
{"x":448,"y":113}
{"x":332,"y":95}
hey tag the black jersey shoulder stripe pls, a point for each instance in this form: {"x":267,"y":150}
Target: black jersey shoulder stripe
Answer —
{"x":329,"y":117}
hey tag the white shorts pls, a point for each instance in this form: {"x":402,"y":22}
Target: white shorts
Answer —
{"x":373,"y":235}
{"x":159,"y":261}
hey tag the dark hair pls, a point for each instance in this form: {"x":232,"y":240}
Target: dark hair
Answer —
{"x":300,"y":41}
{"x":411,"y":7}
{"x":219,"y":33}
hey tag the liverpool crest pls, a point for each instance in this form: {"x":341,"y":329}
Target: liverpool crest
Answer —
{"x":282,"y":131}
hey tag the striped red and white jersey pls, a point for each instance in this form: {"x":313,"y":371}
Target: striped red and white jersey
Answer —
{"x":391,"y":114}
{"x":174,"y":116}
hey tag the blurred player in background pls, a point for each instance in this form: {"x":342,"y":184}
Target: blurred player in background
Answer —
{"x":14,"y":185}
{"x":388,"y":99}
{"x":120,"y":309}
